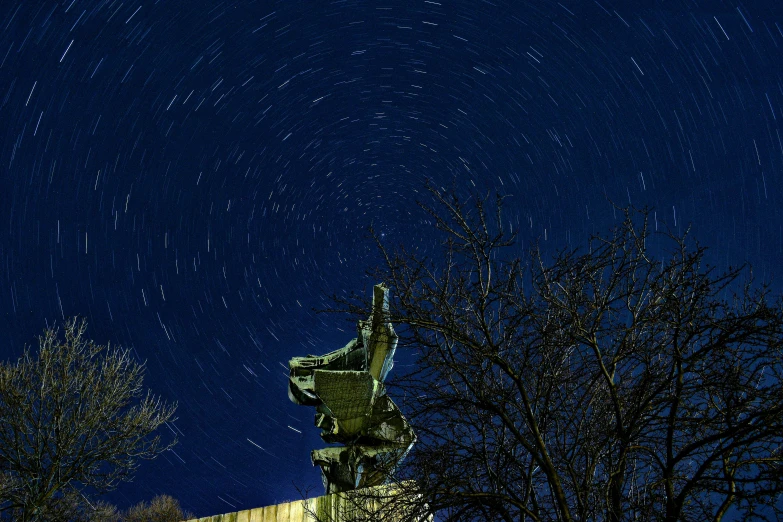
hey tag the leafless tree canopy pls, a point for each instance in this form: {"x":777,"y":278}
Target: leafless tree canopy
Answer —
{"x":162,"y":508}
{"x":605,"y":384}
{"x":73,"y":418}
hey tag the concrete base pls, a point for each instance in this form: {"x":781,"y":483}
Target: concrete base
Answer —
{"x":369,"y":504}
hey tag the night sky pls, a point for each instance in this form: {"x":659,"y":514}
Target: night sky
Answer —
{"x":193,"y":177}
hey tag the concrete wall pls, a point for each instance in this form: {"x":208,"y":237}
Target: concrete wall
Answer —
{"x":289,"y":512}
{"x":335,"y":507}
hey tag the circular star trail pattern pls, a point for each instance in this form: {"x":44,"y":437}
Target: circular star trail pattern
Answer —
{"x":193,"y":177}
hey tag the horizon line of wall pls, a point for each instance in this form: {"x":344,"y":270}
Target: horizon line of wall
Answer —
{"x":357,"y":505}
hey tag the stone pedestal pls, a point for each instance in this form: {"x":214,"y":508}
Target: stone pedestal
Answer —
{"x":379,"y":503}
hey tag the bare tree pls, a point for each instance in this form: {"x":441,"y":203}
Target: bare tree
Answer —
{"x":162,"y":508}
{"x":73,"y":418}
{"x":610,"y":383}
{"x":72,"y":506}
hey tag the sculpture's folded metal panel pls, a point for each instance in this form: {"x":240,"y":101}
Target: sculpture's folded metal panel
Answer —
{"x":353,"y":409}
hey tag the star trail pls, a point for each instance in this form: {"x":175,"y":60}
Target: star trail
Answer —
{"x":193,"y":178}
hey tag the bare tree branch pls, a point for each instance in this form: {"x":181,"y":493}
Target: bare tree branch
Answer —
{"x":74,"y":417}
{"x":603,"y":384}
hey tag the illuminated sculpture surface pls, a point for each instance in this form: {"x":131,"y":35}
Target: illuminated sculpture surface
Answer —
{"x":346,"y":387}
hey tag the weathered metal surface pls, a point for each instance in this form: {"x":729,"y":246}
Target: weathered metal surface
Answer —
{"x":346,"y":387}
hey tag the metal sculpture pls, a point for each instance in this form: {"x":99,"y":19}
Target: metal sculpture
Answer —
{"x":346,"y":387}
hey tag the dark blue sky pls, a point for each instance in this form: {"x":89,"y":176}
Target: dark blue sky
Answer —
{"x":192,"y":177}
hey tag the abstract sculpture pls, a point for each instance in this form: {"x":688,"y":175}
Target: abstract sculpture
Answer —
{"x":346,"y":387}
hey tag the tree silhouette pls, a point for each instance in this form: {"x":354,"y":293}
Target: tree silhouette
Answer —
{"x":72,"y":419}
{"x":610,"y":383}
